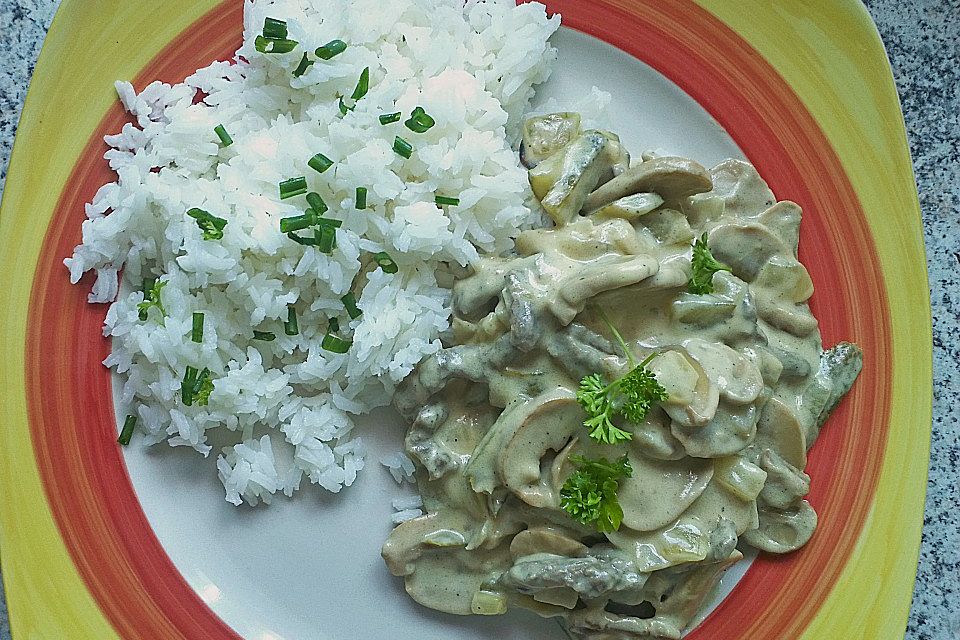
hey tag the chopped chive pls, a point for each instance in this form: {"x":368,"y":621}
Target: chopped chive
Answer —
{"x":188,"y":385}
{"x":266,"y":336}
{"x":327,"y":238}
{"x":274,"y":29}
{"x":274,"y":45}
{"x":334,"y":344}
{"x":290,"y":327}
{"x":203,"y":388}
{"x":344,"y":108}
{"x":390,"y":118}
{"x":333,"y":325}
{"x":293,"y":187}
{"x":361,"y":199}
{"x":331,"y":223}
{"x":402,"y":147}
{"x":320,"y":163}
{"x":151,"y":298}
{"x":147,"y":288}
{"x":296,"y":223}
{"x":420,"y":121}
{"x":225,"y":138}
{"x":316,"y":203}
{"x":211,"y":225}
{"x":386,"y":262}
{"x":332,"y":48}
{"x":301,"y":69}
{"x":197,"y":333}
{"x":363,"y":85}
{"x":442,"y":200}
{"x":127,"y":432}
{"x":350,"y":304}
{"x":306,"y":242}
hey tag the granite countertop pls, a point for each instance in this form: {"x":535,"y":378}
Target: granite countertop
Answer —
{"x":923,"y":41}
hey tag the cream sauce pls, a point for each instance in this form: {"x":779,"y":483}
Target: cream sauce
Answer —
{"x":494,"y":419}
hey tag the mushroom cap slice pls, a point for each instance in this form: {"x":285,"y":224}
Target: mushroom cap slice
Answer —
{"x":670,"y":178}
{"x":546,"y":424}
{"x":745,"y":248}
{"x":659,"y":491}
{"x":545,"y":539}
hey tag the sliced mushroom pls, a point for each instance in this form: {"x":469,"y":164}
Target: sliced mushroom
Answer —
{"x":660,"y":490}
{"x":780,"y":430}
{"x":668,"y":226}
{"x":545,"y":539}
{"x":743,"y":191}
{"x":670,"y":178}
{"x":783,"y":531}
{"x":545,"y":135}
{"x":653,"y":439}
{"x":614,"y":272}
{"x":745,"y":248}
{"x":563,"y":181}
{"x":548,"y":427}
{"x":737,"y":378}
{"x":783,"y":219}
{"x":786,"y":485}
{"x":784,"y":278}
{"x":731,"y":429}
{"x":703,"y":405}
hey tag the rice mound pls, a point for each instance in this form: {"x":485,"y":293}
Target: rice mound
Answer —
{"x":287,"y":404}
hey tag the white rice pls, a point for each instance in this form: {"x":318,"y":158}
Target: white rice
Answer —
{"x":407,"y":508}
{"x":400,"y":466}
{"x":287,"y":404}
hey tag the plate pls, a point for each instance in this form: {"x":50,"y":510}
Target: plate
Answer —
{"x":101,"y":543}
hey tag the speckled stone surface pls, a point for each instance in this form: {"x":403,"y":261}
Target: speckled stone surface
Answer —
{"x":923,"y":40}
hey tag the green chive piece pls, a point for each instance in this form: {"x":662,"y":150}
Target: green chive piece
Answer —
{"x":361,"y":199}
{"x":386,"y":262}
{"x":363,"y":85}
{"x":293,"y":187}
{"x":327,"y":239}
{"x":420,"y":121}
{"x":147,"y":288}
{"x":188,"y":385}
{"x":225,"y":138}
{"x":296,"y":223}
{"x":333,"y":325}
{"x":306,"y":242}
{"x":344,"y":108}
{"x":390,"y":118}
{"x":301,"y":69}
{"x":332,"y":48}
{"x":266,"y":336}
{"x":274,"y":45}
{"x":332,"y":223}
{"x":203,"y":388}
{"x":290,"y":327}
{"x":211,"y":225}
{"x":320,"y":163}
{"x":442,"y":200}
{"x":334,"y":344}
{"x":274,"y":29}
{"x":197,"y":333}
{"x":402,"y":147}
{"x":350,"y":304}
{"x":151,"y":298}
{"x":127,"y":432}
{"x":316,"y":203}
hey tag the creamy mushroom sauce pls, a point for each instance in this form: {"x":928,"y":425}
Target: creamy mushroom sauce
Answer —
{"x":717,"y":466}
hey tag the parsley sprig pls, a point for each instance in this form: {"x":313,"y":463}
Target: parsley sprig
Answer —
{"x":703,"y":265}
{"x":630,"y":396}
{"x":590,"y":494}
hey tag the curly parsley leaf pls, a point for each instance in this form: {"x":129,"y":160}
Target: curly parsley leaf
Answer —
{"x":703,"y":265}
{"x":589,"y":495}
{"x":631,"y":396}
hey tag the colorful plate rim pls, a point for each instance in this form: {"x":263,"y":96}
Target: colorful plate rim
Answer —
{"x":798,"y":90}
